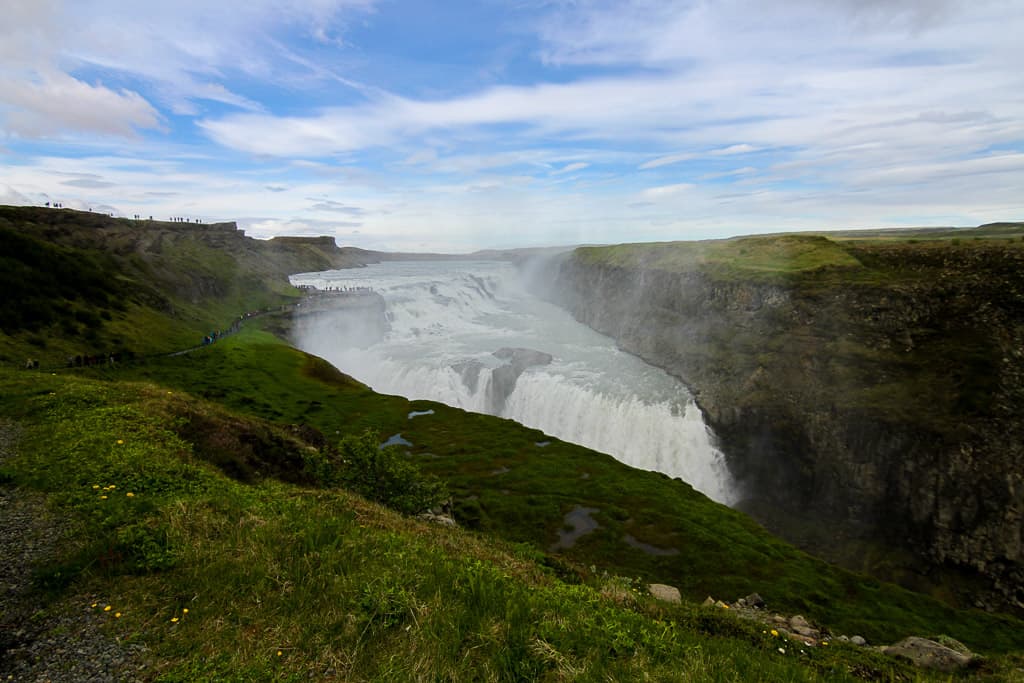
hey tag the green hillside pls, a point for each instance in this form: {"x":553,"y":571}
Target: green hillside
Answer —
{"x":235,"y":458}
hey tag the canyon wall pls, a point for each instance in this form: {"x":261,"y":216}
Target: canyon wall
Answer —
{"x":868,"y":396}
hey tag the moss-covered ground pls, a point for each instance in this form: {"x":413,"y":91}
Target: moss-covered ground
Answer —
{"x":224,"y":579}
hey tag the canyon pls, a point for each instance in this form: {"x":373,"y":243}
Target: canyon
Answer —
{"x":866,"y":393}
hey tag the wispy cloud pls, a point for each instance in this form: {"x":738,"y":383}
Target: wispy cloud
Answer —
{"x":604,"y":120}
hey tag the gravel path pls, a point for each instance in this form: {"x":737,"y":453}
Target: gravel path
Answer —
{"x":55,"y":642}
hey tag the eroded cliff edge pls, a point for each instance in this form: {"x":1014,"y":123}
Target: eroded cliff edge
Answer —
{"x":867,"y":394}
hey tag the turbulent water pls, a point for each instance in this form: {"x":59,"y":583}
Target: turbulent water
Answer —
{"x":447,"y":320}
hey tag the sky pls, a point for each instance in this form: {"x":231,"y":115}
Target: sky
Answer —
{"x":428,"y":125}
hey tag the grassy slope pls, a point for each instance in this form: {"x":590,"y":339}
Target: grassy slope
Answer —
{"x":282,"y":567}
{"x":83,"y":283}
{"x":722,"y":552}
{"x":283,"y":582}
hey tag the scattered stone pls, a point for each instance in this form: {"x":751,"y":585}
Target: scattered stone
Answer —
{"x":443,"y":520}
{"x":663,"y":592}
{"x":721,"y":605}
{"x":800,"y":626}
{"x":754,"y":600}
{"x":929,"y":654}
{"x":708,"y":602}
{"x":859,"y":641}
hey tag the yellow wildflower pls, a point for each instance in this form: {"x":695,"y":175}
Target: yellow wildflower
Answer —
{"x":174,"y":620}
{"x":775,"y":633}
{"x":120,"y":441}
{"x":130,"y":494}
{"x":107,"y":608}
{"x":103,"y":497}
{"x":279,"y":653}
{"x":92,"y":605}
{"x":117,"y":615}
{"x":95,"y":486}
{"x":112,"y":487}
{"x":185,"y":611}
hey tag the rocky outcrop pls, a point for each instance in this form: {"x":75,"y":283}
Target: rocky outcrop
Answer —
{"x":502,"y":380}
{"x":870,"y":413}
{"x":929,"y":654}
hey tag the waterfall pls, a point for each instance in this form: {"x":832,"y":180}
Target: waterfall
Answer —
{"x":468,"y":335}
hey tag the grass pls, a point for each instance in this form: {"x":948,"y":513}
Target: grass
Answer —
{"x":722,"y":552}
{"x":750,"y":257}
{"x":286,"y":578}
{"x":225,"y":580}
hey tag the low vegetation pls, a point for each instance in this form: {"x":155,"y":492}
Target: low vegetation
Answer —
{"x":267,"y":580}
{"x":233,"y":506}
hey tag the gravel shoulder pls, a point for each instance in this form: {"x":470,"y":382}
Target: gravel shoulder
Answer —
{"x":54,"y":641}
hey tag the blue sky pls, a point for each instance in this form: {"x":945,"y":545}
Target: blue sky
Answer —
{"x":451,"y":126}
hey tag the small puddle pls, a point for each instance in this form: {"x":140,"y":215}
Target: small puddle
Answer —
{"x":582,"y":524}
{"x":649,"y":549}
{"x":395,"y":440}
{"x":417,"y":413}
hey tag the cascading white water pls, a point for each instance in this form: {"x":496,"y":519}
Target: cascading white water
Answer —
{"x":448,"y":318}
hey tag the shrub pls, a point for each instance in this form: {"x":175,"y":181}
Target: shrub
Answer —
{"x":383,"y":475}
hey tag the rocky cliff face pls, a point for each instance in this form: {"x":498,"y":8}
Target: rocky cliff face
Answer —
{"x":871,"y":413}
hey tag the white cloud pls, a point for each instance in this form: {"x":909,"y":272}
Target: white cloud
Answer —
{"x":11,"y":197}
{"x":57,"y":103}
{"x":184,"y":51}
{"x":690,"y":156}
{"x":571,"y":168}
{"x":662,"y":191}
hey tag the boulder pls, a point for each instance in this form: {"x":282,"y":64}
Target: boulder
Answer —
{"x":858,"y":640}
{"x":442,"y":519}
{"x":663,"y":592}
{"x":800,"y":626}
{"x":754,"y":600}
{"x":929,"y":654}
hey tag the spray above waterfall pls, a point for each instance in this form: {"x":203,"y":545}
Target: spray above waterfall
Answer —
{"x":469,"y":334}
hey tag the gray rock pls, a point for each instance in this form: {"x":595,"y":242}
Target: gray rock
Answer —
{"x":800,"y":626}
{"x":663,"y":592}
{"x":443,"y":520}
{"x":504,"y":378}
{"x":929,"y":654}
{"x":858,"y":640}
{"x":754,"y":600}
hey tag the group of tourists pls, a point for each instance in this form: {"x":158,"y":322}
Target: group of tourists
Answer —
{"x":92,"y":360}
{"x":219,"y":334}
{"x":179,"y":219}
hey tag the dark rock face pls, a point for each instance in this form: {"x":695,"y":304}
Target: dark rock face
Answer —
{"x":863,"y":417}
{"x":502,"y":381}
{"x":504,"y":378}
